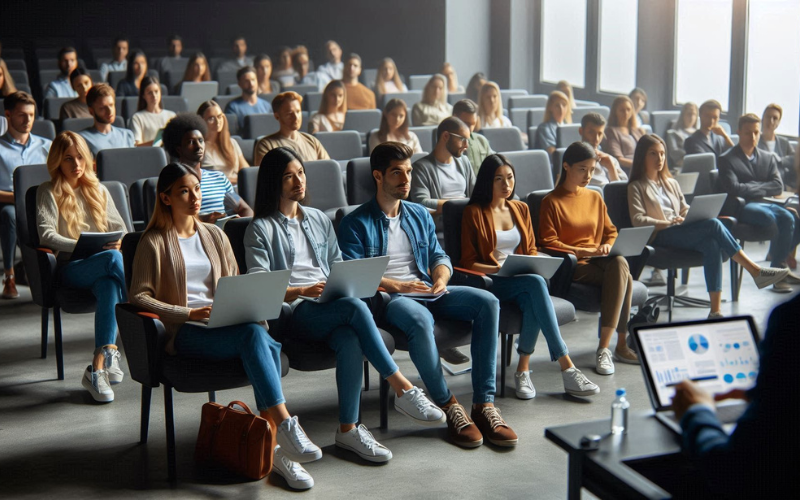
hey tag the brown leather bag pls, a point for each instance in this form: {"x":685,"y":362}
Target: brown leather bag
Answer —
{"x":240,"y":441}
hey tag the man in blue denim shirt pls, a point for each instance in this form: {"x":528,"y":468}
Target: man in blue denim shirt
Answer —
{"x":388,"y":225}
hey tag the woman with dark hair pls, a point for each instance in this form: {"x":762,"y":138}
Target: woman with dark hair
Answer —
{"x":197,"y":70}
{"x":150,"y":116}
{"x":655,"y":199}
{"x":222,"y":151}
{"x":474,"y":86}
{"x":394,"y":127}
{"x":575,"y":219}
{"x":136,"y":71}
{"x":639,"y":98}
{"x":493,"y":227}
{"x":81,"y":82}
{"x":285,"y":235}
{"x":263,"y":65}
{"x":622,"y":131}
{"x":332,"y":109}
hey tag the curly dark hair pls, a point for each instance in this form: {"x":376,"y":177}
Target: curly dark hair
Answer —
{"x":178,"y":127}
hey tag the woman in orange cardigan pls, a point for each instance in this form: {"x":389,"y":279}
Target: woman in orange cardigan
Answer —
{"x":575,"y":219}
{"x":493,"y":227}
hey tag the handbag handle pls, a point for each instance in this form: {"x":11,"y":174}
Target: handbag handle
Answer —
{"x":242,"y":405}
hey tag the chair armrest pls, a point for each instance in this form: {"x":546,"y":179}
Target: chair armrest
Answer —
{"x":637,"y":263}
{"x":732,"y":206}
{"x":562,"y":279}
{"x":143,"y":336}
{"x":467,"y":277}
{"x":41,"y":268}
{"x":729,"y":222}
{"x":279,"y":327}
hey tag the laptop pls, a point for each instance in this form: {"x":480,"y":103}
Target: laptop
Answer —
{"x":717,"y":354}
{"x":705,"y":207}
{"x":358,"y":278}
{"x":630,"y":242}
{"x":687,"y":182}
{"x":542,"y":265}
{"x":91,"y":243}
{"x":247,"y":298}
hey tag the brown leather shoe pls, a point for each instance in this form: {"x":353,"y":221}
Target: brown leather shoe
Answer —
{"x":9,"y":288}
{"x":460,"y":428}
{"x":493,"y":427}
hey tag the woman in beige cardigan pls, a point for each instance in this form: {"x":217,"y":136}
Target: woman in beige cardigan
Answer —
{"x":655,"y":199}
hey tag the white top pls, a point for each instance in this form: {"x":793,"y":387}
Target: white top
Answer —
{"x":198,"y":272}
{"x":770,"y":146}
{"x":412,"y":141}
{"x":507,"y":243}
{"x":402,"y":266}
{"x":323,"y":123}
{"x":600,"y":175}
{"x":502,"y":122}
{"x":213,"y":159}
{"x":663,"y":200}
{"x":305,"y":270}
{"x":390,"y":88}
{"x":452,"y":182}
{"x":145,"y":125}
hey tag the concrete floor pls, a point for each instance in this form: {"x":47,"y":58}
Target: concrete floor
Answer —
{"x":56,"y":442}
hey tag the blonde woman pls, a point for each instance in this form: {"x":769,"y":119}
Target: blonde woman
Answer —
{"x":73,"y":202}
{"x":623,"y":131}
{"x":490,"y":107}
{"x":222,"y":151}
{"x":433,"y":108}
{"x":555,"y":115}
{"x":394,"y":127}
{"x":566,"y":88}
{"x":449,"y":72}
{"x":150,"y":116}
{"x":332,"y":109}
{"x":197,"y":70}
{"x":7,"y":86}
{"x":388,"y":81}
{"x":681,"y":129}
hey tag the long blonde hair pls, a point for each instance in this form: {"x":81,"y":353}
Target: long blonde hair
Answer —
{"x":379,"y":81}
{"x":223,"y":137}
{"x":565,"y":87}
{"x":67,"y":202}
{"x":426,"y":93}
{"x":551,"y":99}
{"x":633,"y":122}
{"x":491,"y":115}
{"x":326,"y":103}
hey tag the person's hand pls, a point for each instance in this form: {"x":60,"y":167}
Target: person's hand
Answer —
{"x":603,"y":249}
{"x":732,"y":394}
{"x":585,"y":252}
{"x":792,"y":210}
{"x":677,"y":220}
{"x":114,"y":245}
{"x":200,"y":313}
{"x":313,"y":290}
{"x":439,"y":286}
{"x":717,"y":129}
{"x":212,"y":217}
{"x":687,"y":393}
{"x":416,"y":286}
{"x":606,"y":161}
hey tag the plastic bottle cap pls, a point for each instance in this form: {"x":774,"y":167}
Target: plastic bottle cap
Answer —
{"x":620,"y":392}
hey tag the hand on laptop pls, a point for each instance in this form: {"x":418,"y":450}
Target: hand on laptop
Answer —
{"x":732,"y":394}
{"x":394,"y":286}
{"x":687,"y":393}
{"x":200,"y":313}
{"x":677,"y":220}
{"x":313,"y":290}
{"x":212,"y":217}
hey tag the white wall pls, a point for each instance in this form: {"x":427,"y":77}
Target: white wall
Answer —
{"x":467,"y":38}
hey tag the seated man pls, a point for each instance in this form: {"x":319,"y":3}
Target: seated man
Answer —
{"x":478,"y":147}
{"x":183,"y":141}
{"x":358,"y":95}
{"x":103,"y":134}
{"x":240,"y":57}
{"x":287,"y":109}
{"x":119,"y":61}
{"x":17,"y":147}
{"x":331,"y":70}
{"x":300,"y":63}
{"x":389,"y":225}
{"x":710,"y":137}
{"x":777,"y":145}
{"x":607,"y":169}
{"x":174,"y":50}
{"x":747,"y":172}
{"x":249,"y":103}
{"x":61,"y":87}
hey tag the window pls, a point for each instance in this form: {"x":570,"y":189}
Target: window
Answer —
{"x":773,"y":60}
{"x":703,"y":51}
{"x":618,"y":32}
{"x":564,"y":41}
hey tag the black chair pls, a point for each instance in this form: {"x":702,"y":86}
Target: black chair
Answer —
{"x":360,"y":183}
{"x":247,"y":184}
{"x":130,"y":166}
{"x":138,"y":200}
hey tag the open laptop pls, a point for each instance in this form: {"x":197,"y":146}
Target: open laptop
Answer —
{"x":705,"y":207}
{"x":717,"y":354}
{"x":247,"y":298}
{"x":542,"y":265}
{"x":358,"y":278}
{"x":687,"y":182}
{"x":630,"y":242}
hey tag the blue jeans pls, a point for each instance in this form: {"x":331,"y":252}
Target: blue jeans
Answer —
{"x":765,"y":214}
{"x":348,"y":328}
{"x":708,"y":237}
{"x":530,"y":293}
{"x":8,"y":234}
{"x":416,"y":319}
{"x":103,"y":274}
{"x":260,"y":354}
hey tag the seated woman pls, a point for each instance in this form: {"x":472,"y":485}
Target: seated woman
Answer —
{"x":655,"y":199}
{"x":565,"y":88}
{"x":263,"y":65}
{"x":222,"y":151}
{"x":449,"y":72}
{"x":433,"y":108}
{"x":683,"y":127}
{"x":388,"y":80}
{"x":73,"y":202}
{"x":474,"y":86}
{"x":150,"y":116}
{"x":136,"y":71}
{"x":394,"y":127}
{"x":574,"y":219}
{"x":284,"y":71}
{"x":81,"y":82}
{"x":490,"y":107}
{"x":494,"y":226}
{"x":197,"y":70}
{"x":7,"y":86}
{"x":332,"y":109}
{"x":555,"y":114}
{"x":285,"y":235}
{"x":175,"y":271}
{"x":622,"y":131}
{"x":639,"y":98}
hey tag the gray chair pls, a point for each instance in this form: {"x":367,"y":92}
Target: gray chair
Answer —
{"x":579,"y":103}
{"x":362,"y":120}
{"x":527,"y":101}
{"x":114,"y":77}
{"x":52,"y":106}
{"x":360,"y":183}
{"x":507,"y":94}
{"x":368,"y":77}
{"x":661,"y":120}
{"x":303,"y":89}
{"x":504,"y":139}
{"x":312,"y":101}
{"x":19,"y":75}
{"x":259,"y":125}
{"x":324,"y":186}
{"x":426,"y":136}
{"x":129,"y":165}
{"x":232,"y":89}
{"x":558,"y":156}
{"x":417,"y":82}
{"x":532,"y":137}
{"x":48,"y":75}
{"x":44,"y":128}
{"x":174,"y":103}
{"x":247,"y":184}
{"x":233,"y":123}
{"x":579,"y":113}
{"x":532,"y":171}
{"x":247,"y":146}
{"x":454,"y":97}
{"x":535,"y":117}
{"x":15,"y":64}
{"x":342,"y":145}
{"x":129,"y":105}
{"x":727,"y":126}
{"x":78,"y":124}
{"x":519,"y":117}
{"x":410,"y":98}
{"x":223,"y":100}
{"x":198,"y":92}
{"x":702,"y":163}
{"x":140,"y":213}
{"x":227,"y":78}
{"x":567,"y":134}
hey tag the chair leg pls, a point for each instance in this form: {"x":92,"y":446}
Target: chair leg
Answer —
{"x":366,"y":375}
{"x":735,"y":282}
{"x":59,"y":345}
{"x":212,"y":396}
{"x":671,"y":277}
{"x":144,"y":426}
{"x":384,"y":399}
{"x":170,"y":424}
{"x":503,"y":342}
{"x":45,"y":330}
{"x":509,"y":349}
{"x":684,"y":276}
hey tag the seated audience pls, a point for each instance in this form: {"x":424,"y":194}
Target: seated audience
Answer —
{"x":433,"y":107}
{"x":248,"y":103}
{"x":478,"y":146}
{"x":684,"y":126}
{"x":222,"y":152}
{"x":73,"y":202}
{"x":102,"y":134}
{"x":150,"y":116}
{"x":555,"y":114}
{"x":474,"y":86}
{"x":285,"y":235}
{"x":331,"y":70}
{"x":710,"y":137}
{"x":565,"y":88}
{"x":284,"y":71}
{"x":61,"y":87}
{"x":174,"y":50}
{"x":358,"y":95}
{"x":263,"y":65}
{"x":287,"y":109}
{"x":240,"y":57}
{"x":137,"y":70}
{"x":7,"y":86}
{"x":394,"y":127}
{"x":17,"y":147}
{"x":300,"y":63}
{"x":449,"y":72}
{"x":332,"y":109}
{"x":622,"y":132}
{"x":197,"y":70}
{"x":574,"y":219}
{"x":655,"y":199}
{"x":199,"y":255}
{"x":81,"y":82}
{"x":388,"y":80}
{"x":490,"y":107}
{"x":119,"y":62}
{"x":389,"y":225}
{"x":493,"y":227}
{"x":779,"y":146}
{"x":639,"y":98}
{"x":607,"y":168}
{"x":749,"y":173}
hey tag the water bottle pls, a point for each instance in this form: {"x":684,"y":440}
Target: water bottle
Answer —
{"x":619,"y":413}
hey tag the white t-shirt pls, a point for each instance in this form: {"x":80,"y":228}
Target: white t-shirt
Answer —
{"x":451,"y":181}
{"x":664,"y":201}
{"x":145,"y":125}
{"x":305,"y":270}
{"x":198,"y":272}
{"x":770,"y":146}
{"x":402,"y":266}
{"x":499,"y":122}
{"x":507,"y":243}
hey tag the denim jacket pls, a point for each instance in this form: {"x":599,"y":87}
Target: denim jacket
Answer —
{"x":363,"y":234}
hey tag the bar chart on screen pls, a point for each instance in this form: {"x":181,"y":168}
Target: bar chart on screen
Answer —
{"x":672,"y":375}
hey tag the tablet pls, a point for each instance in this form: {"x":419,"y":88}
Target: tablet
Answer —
{"x":92,"y":243}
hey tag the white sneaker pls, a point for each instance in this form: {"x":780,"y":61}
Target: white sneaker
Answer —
{"x":715,"y":315}
{"x":419,"y":408}
{"x":361,"y":442}
{"x":295,"y":475}
{"x":112,"y":357}
{"x":576,"y":383}
{"x":769,"y":276}
{"x":294,"y":442}
{"x":656,"y":278}
{"x":782,"y":287}
{"x":96,"y":382}
{"x":523,"y":386}
{"x":604,"y":365}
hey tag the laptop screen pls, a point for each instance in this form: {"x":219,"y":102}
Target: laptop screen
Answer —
{"x":718,"y":355}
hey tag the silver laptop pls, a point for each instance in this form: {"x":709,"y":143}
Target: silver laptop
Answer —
{"x":542,"y":265}
{"x":705,"y":207}
{"x":630,"y":242}
{"x":717,"y":354}
{"x":358,"y":278}
{"x":248,"y":298}
{"x":687,"y":182}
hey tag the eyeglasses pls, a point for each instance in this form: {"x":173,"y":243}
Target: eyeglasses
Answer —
{"x":461,"y":138}
{"x":215,"y":119}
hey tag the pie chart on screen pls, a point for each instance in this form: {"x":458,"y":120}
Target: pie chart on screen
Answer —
{"x":698,"y":344}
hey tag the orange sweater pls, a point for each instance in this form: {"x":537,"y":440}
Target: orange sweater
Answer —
{"x":575,"y":220}
{"x":478,"y":237}
{"x":359,"y":97}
